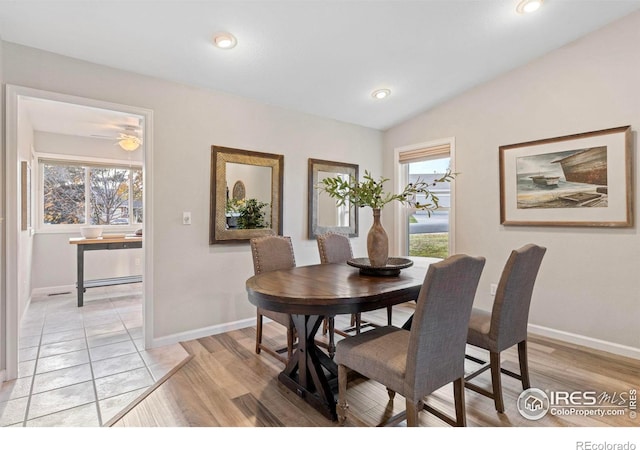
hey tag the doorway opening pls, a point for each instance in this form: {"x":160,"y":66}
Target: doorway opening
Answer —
{"x":54,"y":134}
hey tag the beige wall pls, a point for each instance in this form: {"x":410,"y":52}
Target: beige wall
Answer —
{"x":25,"y":240}
{"x":589,"y":283}
{"x":3,"y":333}
{"x":198,"y":286}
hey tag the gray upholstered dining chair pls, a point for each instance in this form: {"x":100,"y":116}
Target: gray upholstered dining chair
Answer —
{"x":415,"y":363}
{"x":273,"y":253}
{"x":336,"y":248}
{"x":506,"y":325}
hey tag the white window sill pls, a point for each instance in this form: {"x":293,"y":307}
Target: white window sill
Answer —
{"x":128,"y":229}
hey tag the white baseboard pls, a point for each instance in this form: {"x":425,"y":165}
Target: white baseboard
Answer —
{"x":585,"y":341}
{"x":203,"y":332}
{"x":596,"y":344}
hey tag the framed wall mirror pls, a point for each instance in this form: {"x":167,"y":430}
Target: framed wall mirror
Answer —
{"x":246,"y":194}
{"x":324,"y":214}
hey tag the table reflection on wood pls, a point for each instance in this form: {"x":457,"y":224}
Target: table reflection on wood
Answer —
{"x":309,"y":293}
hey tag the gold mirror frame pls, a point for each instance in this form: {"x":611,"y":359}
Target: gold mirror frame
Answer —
{"x":315,"y":167}
{"x":219,"y":232}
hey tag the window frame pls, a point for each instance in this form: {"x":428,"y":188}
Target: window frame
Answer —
{"x":41,"y":158}
{"x":401,"y":178}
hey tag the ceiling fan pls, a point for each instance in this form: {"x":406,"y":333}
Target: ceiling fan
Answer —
{"x":128,"y":139}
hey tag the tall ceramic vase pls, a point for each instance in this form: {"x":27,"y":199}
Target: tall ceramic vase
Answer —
{"x":377,"y":242}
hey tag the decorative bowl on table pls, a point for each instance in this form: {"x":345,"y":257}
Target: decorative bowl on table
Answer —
{"x":391,"y":269}
{"x":91,"y":232}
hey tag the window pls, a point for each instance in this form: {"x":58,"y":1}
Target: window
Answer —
{"x":421,"y":234}
{"x":90,"y":194}
{"x":429,"y":234}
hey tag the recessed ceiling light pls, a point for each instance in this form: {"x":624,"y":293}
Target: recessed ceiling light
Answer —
{"x":527,"y":6}
{"x":381,"y":93}
{"x":224,"y":40}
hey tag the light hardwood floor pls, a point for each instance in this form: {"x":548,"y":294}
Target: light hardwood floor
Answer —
{"x":225,"y":384}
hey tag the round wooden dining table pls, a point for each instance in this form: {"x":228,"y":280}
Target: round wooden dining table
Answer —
{"x":309,"y":293}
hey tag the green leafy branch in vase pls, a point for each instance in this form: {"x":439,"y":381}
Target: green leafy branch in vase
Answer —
{"x":370,"y":192}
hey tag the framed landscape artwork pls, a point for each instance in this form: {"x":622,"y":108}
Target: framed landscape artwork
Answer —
{"x":577,"y":180}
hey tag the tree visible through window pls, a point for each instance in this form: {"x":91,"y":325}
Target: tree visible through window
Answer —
{"x":64,"y":194}
{"x":136,"y":188}
{"x":109,"y":195}
{"x":114,"y":194}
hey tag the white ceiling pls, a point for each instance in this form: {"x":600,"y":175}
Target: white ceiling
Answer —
{"x":66,"y":118}
{"x":319,"y":57}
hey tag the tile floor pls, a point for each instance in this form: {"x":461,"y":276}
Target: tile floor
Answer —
{"x":82,"y":366}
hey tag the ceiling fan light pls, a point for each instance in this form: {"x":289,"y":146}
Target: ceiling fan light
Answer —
{"x":129,"y":144}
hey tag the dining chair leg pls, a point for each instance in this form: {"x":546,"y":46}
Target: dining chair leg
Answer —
{"x":524,"y":365}
{"x":342,"y":406}
{"x":413,"y":408}
{"x":389,"y":314}
{"x":324,"y":326}
{"x":258,"y":333}
{"x":458,"y":396}
{"x":391,"y":393}
{"x":494,"y":361}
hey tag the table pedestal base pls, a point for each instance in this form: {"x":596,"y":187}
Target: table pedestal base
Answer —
{"x":311,"y":374}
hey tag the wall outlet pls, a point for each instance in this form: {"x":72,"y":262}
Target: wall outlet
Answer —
{"x":186,"y":218}
{"x":493,"y":288}
{"x":137,"y":261}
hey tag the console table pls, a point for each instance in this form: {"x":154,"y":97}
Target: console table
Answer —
{"x":103,"y":243}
